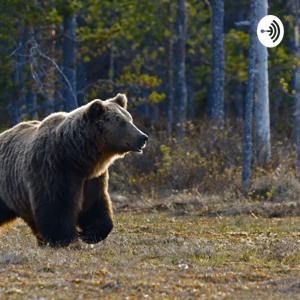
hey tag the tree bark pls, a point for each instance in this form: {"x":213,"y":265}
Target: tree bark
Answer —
{"x":81,"y":82}
{"x":297,"y":82}
{"x":247,"y":135}
{"x":111,"y":71}
{"x":261,"y":104}
{"x":51,"y":88}
{"x":170,"y":104}
{"x":217,"y":89}
{"x":179,"y":65}
{"x":69,"y":61}
{"x":18,"y":99}
{"x":31,"y":104}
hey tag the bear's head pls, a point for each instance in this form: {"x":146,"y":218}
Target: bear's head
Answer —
{"x":113,"y":125}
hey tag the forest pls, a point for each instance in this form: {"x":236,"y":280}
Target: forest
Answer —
{"x":211,"y":209}
{"x":182,"y":65}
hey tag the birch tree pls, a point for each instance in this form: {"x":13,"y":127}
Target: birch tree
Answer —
{"x":297,"y":81}
{"x":247,"y":135}
{"x":217,"y":89}
{"x":19,"y":77}
{"x":69,"y":58}
{"x":170,"y":104}
{"x":179,"y":65}
{"x":261,"y":106}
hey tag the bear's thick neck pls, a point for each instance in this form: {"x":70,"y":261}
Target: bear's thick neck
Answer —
{"x":83,"y":152}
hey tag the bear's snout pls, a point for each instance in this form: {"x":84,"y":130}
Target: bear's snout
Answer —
{"x":144,"y":139}
{"x":141,"y":142}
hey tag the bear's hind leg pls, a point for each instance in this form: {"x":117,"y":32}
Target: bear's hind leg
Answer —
{"x":6,"y":214}
{"x":96,"y":219}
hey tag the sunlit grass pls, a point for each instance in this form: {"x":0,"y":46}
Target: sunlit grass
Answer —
{"x":159,"y":255}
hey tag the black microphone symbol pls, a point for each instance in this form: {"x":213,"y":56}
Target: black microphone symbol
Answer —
{"x":274,"y":31}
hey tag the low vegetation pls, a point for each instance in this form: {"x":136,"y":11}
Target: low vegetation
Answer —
{"x":170,"y":254}
{"x":190,"y":234}
{"x":210,"y":162}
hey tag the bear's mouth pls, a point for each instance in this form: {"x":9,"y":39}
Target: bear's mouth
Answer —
{"x":138,"y":149}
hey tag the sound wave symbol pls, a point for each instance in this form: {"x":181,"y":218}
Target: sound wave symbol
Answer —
{"x":274,"y":31}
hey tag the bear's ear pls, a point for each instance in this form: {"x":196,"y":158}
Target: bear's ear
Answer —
{"x":121,"y":100}
{"x":95,"y":110}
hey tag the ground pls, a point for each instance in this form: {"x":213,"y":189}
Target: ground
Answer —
{"x":160,"y":253}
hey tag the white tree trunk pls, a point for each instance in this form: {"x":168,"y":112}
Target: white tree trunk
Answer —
{"x":297,"y":82}
{"x":217,"y":97}
{"x":261,"y":104}
{"x":170,"y":104}
{"x":19,"y":99}
{"x":247,"y":138}
{"x":179,"y":65}
{"x":69,"y":61}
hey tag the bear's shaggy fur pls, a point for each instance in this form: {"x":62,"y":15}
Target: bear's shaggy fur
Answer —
{"x":54,"y":173}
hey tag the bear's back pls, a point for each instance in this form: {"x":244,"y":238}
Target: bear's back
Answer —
{"x":24,"y":132}
{"x":53,"y":120}
{"x":13,"y":145}
{"x":17,"y":135}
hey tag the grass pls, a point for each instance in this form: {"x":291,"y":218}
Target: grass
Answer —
{"x":159,"y":255}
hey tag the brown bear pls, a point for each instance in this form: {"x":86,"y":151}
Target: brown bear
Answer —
{"x":54,"y":173}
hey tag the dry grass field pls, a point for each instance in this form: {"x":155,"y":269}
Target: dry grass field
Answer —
{"x":160,"y":252}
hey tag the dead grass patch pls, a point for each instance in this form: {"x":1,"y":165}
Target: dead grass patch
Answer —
{"x":159,"y":255}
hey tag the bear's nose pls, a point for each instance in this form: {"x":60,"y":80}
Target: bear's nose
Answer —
{"x":145,"y":138}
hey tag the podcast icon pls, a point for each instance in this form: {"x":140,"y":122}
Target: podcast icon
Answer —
{"x":270,"y":31}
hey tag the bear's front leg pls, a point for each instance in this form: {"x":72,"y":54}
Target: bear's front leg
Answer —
{"x":56,"y":225}
{"x":56,"y":214}
{"x":96,"y":218}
